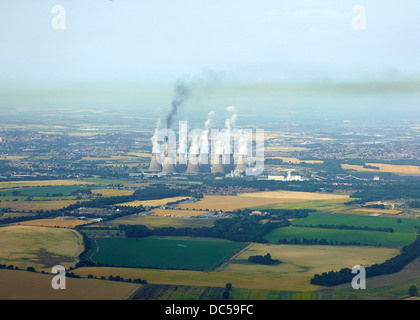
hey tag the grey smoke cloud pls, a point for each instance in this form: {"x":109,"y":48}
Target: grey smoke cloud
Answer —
{"x":181,"y":94}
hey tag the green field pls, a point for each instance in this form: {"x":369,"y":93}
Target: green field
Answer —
{"x":42,"y":191}
{"x":320,"y":205}
{"x":371,"y":238}
{"x":335,"y":219}
{"x":106,"y":182}
{"x":163,"y":252}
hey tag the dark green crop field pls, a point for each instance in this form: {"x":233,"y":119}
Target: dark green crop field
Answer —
{"x":360,"y":221}
{"x":163,"y":252}
{"x":337,"y":236}
{"x":42,"y":191}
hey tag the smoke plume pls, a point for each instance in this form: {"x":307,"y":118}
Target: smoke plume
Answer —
{"x":182,"y":93}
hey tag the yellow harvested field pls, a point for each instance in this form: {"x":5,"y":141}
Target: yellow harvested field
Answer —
{"x":140,"y":154}
{"x":39,"y":247}
{"x":299,"y":265}
{"x":249,"y":200}
{"x":36,"y":205}
{"x":53,"y":223}
{"x":13,"y":157}
{"x":113,"y":192}
{"x":307,"y":196}
{"x":384,"y":168}
{"x":152,"y":203}
{"x":40,"y":183}
{"x":24,"y":285}
{"x":163,"y":212}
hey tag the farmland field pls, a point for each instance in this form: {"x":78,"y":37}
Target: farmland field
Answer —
{"x":39,"y":247}
{"x":163,"y":252}
{"x":23,"y":285}
{"x":54,"y":223}
{"x":371,"y":238}
{"x":43,"y":191}
{"x":260,"y":199}
{"x":164,"y":212}
{"x":388,"y":286}
{"x":35,"y":183}
{"x":377,"y":211}
{"x":406,"y":225}
{"x":300,"y":263}
{"x":403,"y":169}
{"x":297,"y":195}
{"x":152,"y":203}
{"x":107,"y":182}
{"x":113,"y":192}
{"x":321,"y":205}
{"x":177,"y":292}
{"x":160,"y":222}
{"x":36,"y":205}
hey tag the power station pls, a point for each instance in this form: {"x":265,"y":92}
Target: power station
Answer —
{"x":197,"y":164}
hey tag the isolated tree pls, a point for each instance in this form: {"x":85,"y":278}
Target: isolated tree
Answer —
{"x":226,"y":295}
{"x":412,"y":291}
{"x":228,"y":286}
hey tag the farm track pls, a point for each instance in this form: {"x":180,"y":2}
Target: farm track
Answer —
{"x":219,"y":267}
{"x":97,"y":250}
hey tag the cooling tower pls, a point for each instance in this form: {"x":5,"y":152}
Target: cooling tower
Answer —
{"x":218,"y":166}
{"x":204,"y":163}
{"x":193,"y":166}
{"x":155,"y":166}
{"x":168,"y":167}
{"x":228,"y":163}
{"x":241,"y":165}
{"x":181,"y":165}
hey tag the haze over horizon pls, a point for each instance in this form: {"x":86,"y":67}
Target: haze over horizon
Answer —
{"x":269,"y":54}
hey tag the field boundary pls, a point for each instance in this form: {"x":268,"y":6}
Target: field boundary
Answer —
{"x":221,"y":265}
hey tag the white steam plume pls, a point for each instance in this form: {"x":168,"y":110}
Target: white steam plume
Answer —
{"x":154,"y":139}
{"x":230,"y":124}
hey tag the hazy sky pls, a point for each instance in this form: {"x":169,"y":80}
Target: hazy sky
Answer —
{"x":242,"y":40}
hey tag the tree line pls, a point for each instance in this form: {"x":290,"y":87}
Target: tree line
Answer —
{"x":408,"y":254}
{"x":241,"y":228}
{"x":152,"y":192}
{"x":316,"y":241}
{"x":346,"y":227}
{"x":267,"y":260}
{"x":389,"y":191}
